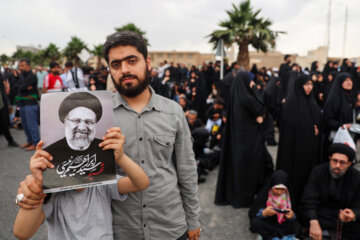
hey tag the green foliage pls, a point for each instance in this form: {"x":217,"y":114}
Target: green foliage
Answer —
{"x":4,"y":59}
{"x":74,"y":48}
{"x":51,"y":53}
{"x":133,"y":28}
{"x":97,"y":50}
{"x":245,"y":25}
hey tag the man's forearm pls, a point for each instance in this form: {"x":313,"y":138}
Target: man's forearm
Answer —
{"x":27,"y":222}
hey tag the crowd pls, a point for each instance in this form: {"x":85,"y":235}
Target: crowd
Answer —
{"x":230,"y":121}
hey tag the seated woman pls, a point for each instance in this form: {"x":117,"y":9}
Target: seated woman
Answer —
{"x":271,"y":215}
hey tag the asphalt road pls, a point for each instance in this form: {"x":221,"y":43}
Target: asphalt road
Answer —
{"x":218,"y":222}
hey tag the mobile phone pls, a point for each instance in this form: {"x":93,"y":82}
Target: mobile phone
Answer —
{"x":281,"y":211}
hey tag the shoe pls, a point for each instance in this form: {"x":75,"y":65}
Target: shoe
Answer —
{"x":25,"y":145}
{"x":201,"y":180}
{"x":271,"y":142}
{"x":12,"y":143}
{"x":30,"y":148}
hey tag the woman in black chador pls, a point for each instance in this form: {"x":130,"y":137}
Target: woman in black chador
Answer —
{"x":244,"y":158}
{"x":298,"y":148}
{"x":271,"y":214}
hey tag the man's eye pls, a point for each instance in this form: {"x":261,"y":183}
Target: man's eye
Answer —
{"x":115,"y":66}
{"x":132,"y":61}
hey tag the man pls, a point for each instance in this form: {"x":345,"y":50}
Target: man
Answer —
{"x":79,"y":112}
{"x":331,"y":199}
{"x":53,"y":82}
{"x":159,"y":140}
{"x":74,"y":78}
{"x":40,"y":74}
{"x":284,"y":67}
{"x":28,"y":103}
{"x":193,"y":120}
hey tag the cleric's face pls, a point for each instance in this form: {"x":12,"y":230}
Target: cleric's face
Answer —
{"x":80,"y":126}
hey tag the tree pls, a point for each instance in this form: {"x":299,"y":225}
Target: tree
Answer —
{"x":98,"y":52}
{"x":74,"y":48}
{"x":51,"y":52}
{"x":133,"y":28}
{"x":245,"y":28}
{"x":4,"y":59}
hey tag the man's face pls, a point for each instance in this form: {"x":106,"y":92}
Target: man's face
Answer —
{"x":339,"y":163}
{"x":191,"y":119}
{"x":80,"y":127}
{"x":182,"y":102}
{"x":129,"y":70}
{"x":23,"y":67}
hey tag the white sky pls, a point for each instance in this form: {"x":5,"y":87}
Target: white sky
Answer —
{"x":173,"y":24}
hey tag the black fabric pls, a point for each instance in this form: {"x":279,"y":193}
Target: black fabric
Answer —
{"x":61,"y":152}
{"x":338,"y":109}
{"x":342,"y":148}
{"x":243,"y":155}
{"x":272,"y":96}
{"x":27,"y":85}
{"x":324,"y":196}
{"x":298,"y":146}
{"x":269,"y":227}
{"x":159,"y":87}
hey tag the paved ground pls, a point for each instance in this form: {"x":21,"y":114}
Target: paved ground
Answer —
{"x":218,"y":223}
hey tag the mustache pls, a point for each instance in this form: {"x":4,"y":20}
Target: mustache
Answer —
{"x":128,"y":76}
{"x":81,"y":132}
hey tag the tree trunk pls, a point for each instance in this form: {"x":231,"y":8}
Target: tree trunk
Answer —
{"x":99,"y":64}
{"x":243,"y":55}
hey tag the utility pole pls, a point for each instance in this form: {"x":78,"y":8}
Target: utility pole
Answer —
{"x":328,"y":29}
{"x":345,"y":26}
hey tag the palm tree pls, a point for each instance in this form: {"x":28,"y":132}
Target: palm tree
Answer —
{"x":133,"y":28}
{"x":51,"y":52}
{"x":98,"y":52}
{"x":4,"y":59}
{"x":244,"y":27}
{"x":74,"y":48}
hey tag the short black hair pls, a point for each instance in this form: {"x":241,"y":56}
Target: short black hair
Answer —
{"x":69,"y":64}
{"x":125,"y":38}
{"x":26,"y":60}
{"x":53,"y":64}
{"x":286,"y":56}
{"x":219,"y":101}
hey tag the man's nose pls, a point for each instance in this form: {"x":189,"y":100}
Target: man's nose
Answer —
{"x":125,"y":68}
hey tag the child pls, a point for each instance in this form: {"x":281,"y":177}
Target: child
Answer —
{"x":271,"y":215}
{"x":81,"y":213}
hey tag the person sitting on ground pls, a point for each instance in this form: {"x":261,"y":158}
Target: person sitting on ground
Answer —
{"x":214,"y":115}
{"x":331,"y":199}
{"x":93,"y":218}
{"x":271,"y":214}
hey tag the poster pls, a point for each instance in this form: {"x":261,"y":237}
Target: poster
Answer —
{"x":72,"y":126}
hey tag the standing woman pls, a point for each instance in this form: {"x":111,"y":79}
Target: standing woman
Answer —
{"x":244,"y":156}
{"x":298,"y":148}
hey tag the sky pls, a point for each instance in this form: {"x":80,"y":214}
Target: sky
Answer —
{"x":175,"y":25}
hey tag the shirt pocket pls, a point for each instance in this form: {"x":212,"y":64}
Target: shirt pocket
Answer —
{"x":163,"y":149}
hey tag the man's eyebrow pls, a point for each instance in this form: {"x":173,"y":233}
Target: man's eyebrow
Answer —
{"x":125,"y":58}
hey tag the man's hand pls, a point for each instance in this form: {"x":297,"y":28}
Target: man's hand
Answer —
{"x":259,"y":119}
{"x":268,"y":211}
{"x":315,"y":231}
{"x":39,"y":162}
{"x":316,"y":129}
{"x":194,"y":234}
{"x":347,"y":215}
{"x":347,"y":125}
{"x":114,"y":139}
{"x":33,"y":193}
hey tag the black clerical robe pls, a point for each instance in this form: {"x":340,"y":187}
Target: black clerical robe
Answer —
{"x":324,"y":196}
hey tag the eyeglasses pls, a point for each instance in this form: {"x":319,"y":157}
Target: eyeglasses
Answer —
{"x":341,"y":162}
{"x":88,"y":122}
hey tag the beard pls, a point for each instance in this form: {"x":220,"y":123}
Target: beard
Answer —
{"x":128,"y":90}
{"x":337,"y":175}
{"x":79,"y":139}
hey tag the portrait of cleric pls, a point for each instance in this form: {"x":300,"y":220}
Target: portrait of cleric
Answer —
{"x":77,"y":157}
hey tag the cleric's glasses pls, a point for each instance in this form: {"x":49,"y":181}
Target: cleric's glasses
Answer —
{"x":88,"y":122}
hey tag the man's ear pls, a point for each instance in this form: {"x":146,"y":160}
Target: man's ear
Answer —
{"x":148,"y":63}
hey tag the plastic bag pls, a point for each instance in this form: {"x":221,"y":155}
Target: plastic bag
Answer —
{"x":343,"y":136}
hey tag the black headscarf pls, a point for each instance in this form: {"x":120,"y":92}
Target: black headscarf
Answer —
{"x":339,"y":105}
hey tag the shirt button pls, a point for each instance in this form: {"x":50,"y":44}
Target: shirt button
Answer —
{"x":142,"y":161}
{"x":139,"y":116}
{"x":140,"y":139}
{"x":167,"y":143}
{"x":144,"y":225}
{"x":144,"y":206}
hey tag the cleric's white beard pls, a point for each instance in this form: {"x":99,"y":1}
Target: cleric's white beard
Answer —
{"x":79,"y":143}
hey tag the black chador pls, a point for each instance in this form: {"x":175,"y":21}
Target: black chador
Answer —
{"x":298,"y":144}
{"x":244,"y":156}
